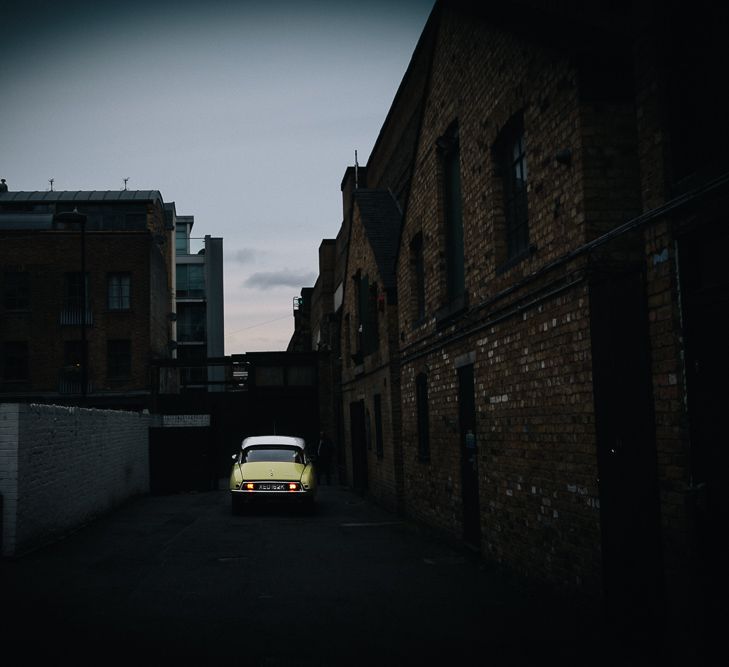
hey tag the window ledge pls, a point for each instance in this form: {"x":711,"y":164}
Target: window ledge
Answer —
{"x":516,"y":259}
{"x":451,"y":310}
{"x":418,"y":323}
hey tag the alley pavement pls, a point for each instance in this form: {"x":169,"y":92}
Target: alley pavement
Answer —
{"x":178,"y":577}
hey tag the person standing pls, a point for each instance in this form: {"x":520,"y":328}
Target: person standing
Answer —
{"x":324,"y":458}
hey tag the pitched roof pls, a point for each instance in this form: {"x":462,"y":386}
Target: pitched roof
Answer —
{"x":381,"y":218}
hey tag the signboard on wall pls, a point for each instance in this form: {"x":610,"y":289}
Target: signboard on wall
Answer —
{"x":181,"y":421}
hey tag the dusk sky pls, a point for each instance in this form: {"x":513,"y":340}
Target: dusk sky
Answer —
{"x":245,"y":114}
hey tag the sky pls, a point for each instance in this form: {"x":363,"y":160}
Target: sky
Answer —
{"x":245,"y":114}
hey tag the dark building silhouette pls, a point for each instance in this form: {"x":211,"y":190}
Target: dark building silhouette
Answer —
{"x":126,"y":247}
{"x":539,"y":371}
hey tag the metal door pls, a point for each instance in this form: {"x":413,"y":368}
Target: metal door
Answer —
{"x":626,"y":451}
{"x":705,"y":303}
{"x":359,"y":446}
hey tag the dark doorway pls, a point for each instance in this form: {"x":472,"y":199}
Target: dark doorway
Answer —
{"x":705,"y":303}
{"x":181,"y":459}
{"x":359,"y":446}
{"x":626,"y":456}
{"x":469,"y":456}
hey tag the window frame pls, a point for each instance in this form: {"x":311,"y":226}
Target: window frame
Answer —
{"x":198,"y":290}
{"x":73,"y":291}
{"x":510,"y":155}
{"x":192,"y":322}
{"x":115,"y":292}
{"x":16,"y":291}
{"x":449,"y":154}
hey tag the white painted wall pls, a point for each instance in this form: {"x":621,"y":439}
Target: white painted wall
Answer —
{"x":60,"y":467}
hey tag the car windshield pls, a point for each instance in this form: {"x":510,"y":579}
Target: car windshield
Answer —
{"x":271,"y":453}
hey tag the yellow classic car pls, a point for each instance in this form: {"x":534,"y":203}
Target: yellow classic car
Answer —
{"x":272,"y":467}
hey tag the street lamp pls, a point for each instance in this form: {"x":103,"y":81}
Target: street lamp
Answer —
{"x":74,"y":217}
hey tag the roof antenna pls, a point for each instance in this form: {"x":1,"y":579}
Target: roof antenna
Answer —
{"x":50,"y":180}
{"x":125,"y":182}
{"x":356,"y":171}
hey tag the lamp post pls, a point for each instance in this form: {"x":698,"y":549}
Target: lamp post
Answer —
{"x":74,"y":217}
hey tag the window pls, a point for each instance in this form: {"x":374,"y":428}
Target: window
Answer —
{"x":417,"y":267}
{"x":511,"y":157}
{"x":72,"y":372}
{"x":379,"y":444}
{"x":181,"y":240}
{"x":421,"y":398}
{"x":16,"y":290}
{"x":73,"y":355}
{"x":73,"y":291}
{"x":119,"y":291}
{"x":191,"y":322}
{"x":14,"y":361}
{"x":272,"y":455}
{"x":190,"y":281}
{"x":118,"y":359}
{"x":450,"y":156}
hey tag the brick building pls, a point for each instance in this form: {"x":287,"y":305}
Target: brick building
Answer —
{"x":370,"y":381}
{"x":126,"y":248}
{"x":558,"y":280}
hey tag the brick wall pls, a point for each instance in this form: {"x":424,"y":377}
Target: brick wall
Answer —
{"x":526,"y":333}
{"x":376,"y":375}
{"x":61,"y":467}
{"x":48,"y":258}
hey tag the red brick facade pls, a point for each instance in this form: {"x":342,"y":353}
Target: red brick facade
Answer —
{"x":141,"y":324}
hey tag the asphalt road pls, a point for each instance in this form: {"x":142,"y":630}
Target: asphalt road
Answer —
{"x":179,"y":578}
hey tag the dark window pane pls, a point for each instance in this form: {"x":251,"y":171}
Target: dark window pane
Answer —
{"x":191,"y":323}
{"x":181,"y":240}
{"x":16,"y":290}
{"x":119,"y":291}
{"x":15,"y":361}
{"x":190,"y":281}
{"x":119,"y":359}
{"x":451,"y":157}
{"x":73,"y":291}
{"x":511,"y":154}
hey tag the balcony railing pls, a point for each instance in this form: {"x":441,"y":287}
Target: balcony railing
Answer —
{"x":195,"y":246}
{"x":71,"y":386}
{"x":73,"y":317}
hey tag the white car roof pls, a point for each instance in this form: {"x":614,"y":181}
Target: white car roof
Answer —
{"x":278,"y":440}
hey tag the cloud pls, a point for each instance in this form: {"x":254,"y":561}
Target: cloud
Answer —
{"x":284,"y":278}
{"x":243,"y":256}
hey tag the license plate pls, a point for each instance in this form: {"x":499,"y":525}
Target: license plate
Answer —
{"x":272,"y":487}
